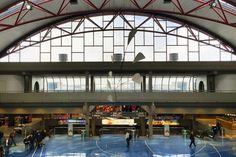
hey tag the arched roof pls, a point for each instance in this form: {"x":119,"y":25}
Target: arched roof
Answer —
{"x":18,"y":22}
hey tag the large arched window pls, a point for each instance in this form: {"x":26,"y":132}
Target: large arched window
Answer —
{"x":98,"y":38}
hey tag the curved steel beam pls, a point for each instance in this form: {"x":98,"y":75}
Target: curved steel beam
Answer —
{"x":66,"y":19}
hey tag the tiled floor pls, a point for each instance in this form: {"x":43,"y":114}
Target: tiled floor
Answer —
{"x":115,"y":146}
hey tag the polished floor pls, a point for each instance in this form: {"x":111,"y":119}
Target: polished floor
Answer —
{"x":115,"y":146}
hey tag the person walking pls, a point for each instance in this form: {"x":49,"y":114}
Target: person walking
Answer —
{"x":192,"y":139}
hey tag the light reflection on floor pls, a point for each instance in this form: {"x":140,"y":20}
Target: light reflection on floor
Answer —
{"x":115,"y":146}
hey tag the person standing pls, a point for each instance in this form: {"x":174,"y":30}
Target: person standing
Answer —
{"x":192,"y":139}
{"x":127,"y":138}
{"x":12,"y":137}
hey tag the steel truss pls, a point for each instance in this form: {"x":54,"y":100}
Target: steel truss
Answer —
{"x":21,"y":15}
{"x":194,"y":34}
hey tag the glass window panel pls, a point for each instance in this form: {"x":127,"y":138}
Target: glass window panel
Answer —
{"x":104,"y":86}
{"x":14,"y":57}
{"x":57,"y":83}
{"x":50,"y":84}
{"x":172,"y":83}
{"x":160,"y":56}
{"x":186,"y":83}
{"x":30,"y":54}
{"x":77,"y":44}
{"x":139,"y":38}
{"x":160,"y":43}
{"x":225,"y":56}
{"x":157,"y":81}
{"x":63,"y":84}
{"x":118,"y":38}
{"x":56,"y":33}
{"x":194,"y":56}
{"x":119,"y":49}
{"x":193,"y":45}
{"x":107,"y":57}
{"x":79,"y":83}
{"x":171,"y":40}
{"x":45,"y":57}
{"x":70,"y":82}
{"x":118,"y":22}
{"x":77,"y":57}
{"x":93,"y":54}
{"x":148,"y":38}
{"x":208,"y":53}
{"x":88,"y":38}
{"x":165,"y":82}
{"x":179,"y":82}
{"x":98,"y":38}
{"x":46,"y":46}
{"x":66,"y":41}
{"x":108,"y":44}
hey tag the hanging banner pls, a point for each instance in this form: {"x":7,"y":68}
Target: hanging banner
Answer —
{"x":70,"y":129}
{"x":166,"y":130}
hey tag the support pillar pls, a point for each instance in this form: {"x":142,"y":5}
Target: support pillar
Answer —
{"x":92,"y":84}
{"x":87,"y":81}
{"x":211,"y":83}
{"x":27,"y":83}
{"x":86,"y":114}
{"x":150,"y":82}
{"x":142,"y":126}
{"x":151,"y":112}
{"x":144,"y":84}
{"x":93,"y":126}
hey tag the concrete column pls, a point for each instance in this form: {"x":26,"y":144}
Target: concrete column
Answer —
{"x":211,"y":83}
{"x":93,"y":126}
{"x":86,"y":114}
{"x":27,"y":83}
{"x":144,"y":84}
{"x":92,"y":88}
{"x":142,"y":126}
{"x":87,"y":81}
{"x":150,"y":81}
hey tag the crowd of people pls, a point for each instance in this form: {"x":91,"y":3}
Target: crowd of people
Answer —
{"x":34,"y":139}
{"x":6,"y":142}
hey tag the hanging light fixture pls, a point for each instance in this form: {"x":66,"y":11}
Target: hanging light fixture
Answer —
{"x":213,"y":4}
{"x":28,"y":6}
